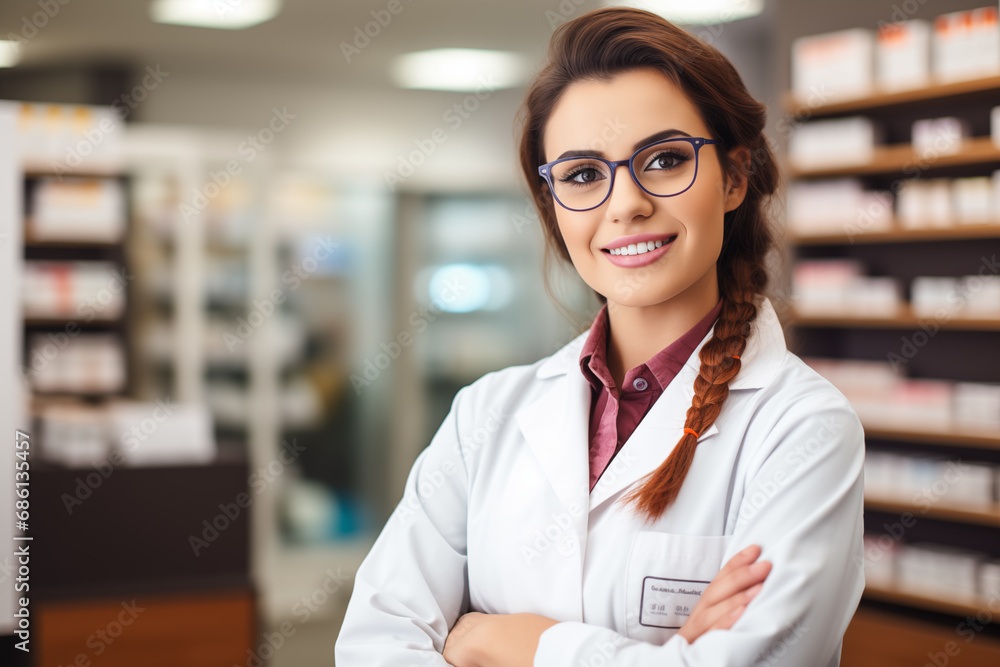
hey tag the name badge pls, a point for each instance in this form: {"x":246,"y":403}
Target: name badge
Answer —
{"x":667,"y":603}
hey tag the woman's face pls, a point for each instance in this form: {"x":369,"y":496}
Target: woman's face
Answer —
{"x":611,"y":119}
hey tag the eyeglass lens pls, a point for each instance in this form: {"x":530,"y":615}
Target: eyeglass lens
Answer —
{"x":666,"y":168}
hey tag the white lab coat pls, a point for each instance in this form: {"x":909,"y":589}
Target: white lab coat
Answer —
{"x":497,"y":517}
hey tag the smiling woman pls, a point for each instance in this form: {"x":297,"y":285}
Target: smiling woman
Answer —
{"x":599,"y":515}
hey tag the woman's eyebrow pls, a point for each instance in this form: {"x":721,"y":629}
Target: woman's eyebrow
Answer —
{"x":664,"y":134}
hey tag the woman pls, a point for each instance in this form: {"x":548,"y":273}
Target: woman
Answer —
{"x":579,"y":510}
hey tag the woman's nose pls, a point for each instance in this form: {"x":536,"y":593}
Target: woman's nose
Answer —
{"x":627,"y":200}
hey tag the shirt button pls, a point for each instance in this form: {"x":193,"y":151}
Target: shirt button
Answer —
{"x":640,"y":384}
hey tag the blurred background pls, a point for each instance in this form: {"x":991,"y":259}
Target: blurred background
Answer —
{"x":253,"y":248}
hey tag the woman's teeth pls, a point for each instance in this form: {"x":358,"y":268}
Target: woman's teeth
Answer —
{"x":636,"y":248}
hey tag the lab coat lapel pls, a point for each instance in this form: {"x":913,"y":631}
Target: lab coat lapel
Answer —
{"x":660,"y":430}
{"x":556,"y":427}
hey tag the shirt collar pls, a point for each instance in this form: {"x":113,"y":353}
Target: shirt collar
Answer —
{"x":664,"y":365}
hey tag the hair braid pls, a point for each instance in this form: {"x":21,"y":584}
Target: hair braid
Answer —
{"x":711,"y":387}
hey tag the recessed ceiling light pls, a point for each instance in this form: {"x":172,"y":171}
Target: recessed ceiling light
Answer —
{"x":703,"y":12}
{"x":459,"y":69}
{"x":10,"y":53}
{"x":221,"y":14}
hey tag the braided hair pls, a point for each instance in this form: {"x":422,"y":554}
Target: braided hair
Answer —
{"x":605,"y":42}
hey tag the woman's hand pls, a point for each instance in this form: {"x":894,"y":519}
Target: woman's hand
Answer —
{"x":728,"y":595}
{"x":495,"y":640}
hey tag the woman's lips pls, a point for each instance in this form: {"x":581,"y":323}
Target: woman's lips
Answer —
{"x":639,"y":258}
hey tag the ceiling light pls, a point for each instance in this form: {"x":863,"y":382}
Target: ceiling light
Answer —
{"x":459,"y":69}
{"x":702,"y":12}
{"x":10,"y":53}
{"x":222,"y":14}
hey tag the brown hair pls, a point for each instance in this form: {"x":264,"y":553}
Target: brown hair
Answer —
{"x":606,"y":42}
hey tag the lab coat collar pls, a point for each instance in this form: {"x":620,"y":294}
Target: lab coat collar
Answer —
{"x":561,"y":444}
{"x":765,"y":346}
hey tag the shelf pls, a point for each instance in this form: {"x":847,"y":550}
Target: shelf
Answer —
{"x":976,"y":440}
{"x":963,"y":607}
{"x":906,"y":319}
{"x":969,"y":514}
{"x":957,"y":232}
{"x":91,"y":169}
{"x":51,"y":322}
{"x":899,"y":157}
{"x":896,"y":98}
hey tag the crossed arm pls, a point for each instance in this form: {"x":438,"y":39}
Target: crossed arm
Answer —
{"x":511,"y":640}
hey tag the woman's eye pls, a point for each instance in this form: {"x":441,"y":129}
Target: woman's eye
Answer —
{"x":666,"y":160}
{"x":584,"y":175}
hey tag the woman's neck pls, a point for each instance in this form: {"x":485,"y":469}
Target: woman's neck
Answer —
{"x":638,"y":333}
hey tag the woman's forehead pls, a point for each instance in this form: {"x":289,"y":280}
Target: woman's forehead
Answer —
{"x":613,"y":114}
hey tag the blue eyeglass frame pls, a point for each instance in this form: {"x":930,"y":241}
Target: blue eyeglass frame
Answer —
{"x":545,"y":170}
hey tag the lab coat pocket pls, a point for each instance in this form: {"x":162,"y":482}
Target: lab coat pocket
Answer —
{"x":666,"y":575}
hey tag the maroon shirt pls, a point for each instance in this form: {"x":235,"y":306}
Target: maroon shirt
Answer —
{"x":615,"y":414}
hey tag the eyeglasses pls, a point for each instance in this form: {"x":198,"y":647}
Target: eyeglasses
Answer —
{"x":663,"y":169}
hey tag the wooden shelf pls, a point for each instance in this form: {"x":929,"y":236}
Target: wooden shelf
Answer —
{"x":92,"y":169}
{"x":956,"y":232}
{"x":959,"y":607}
{"x":976,"y":440}
{"x":49,"y":322}
{"x":905,"y":319}
{"x":962,"y":514}
{"x":881,"y":100}
{"x":896,"y":158}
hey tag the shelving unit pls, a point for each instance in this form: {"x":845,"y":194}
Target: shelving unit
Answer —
{"x":128,"y":536}
{"x":965,"y":347}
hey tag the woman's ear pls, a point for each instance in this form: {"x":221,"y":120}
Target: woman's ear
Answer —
{"x":738,"y":176}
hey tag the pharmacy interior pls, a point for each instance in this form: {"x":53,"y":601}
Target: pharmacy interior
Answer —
{"x":231,"y":245}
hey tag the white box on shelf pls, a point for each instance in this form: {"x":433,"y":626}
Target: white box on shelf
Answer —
{"x":903,"y":55}
{"x":938,"y":570}
{"x":995,"y":126}
{"x":989,"y":579}
{"x":977,"y":406}
{"x":981,"y":296}
{"x":822,"y":286}
{"x":834,"y":65}
{"x":88,"y":363}
{"x":161,"y":433}
{"x":880,"y":559}
{"x":966,"y":45}
{"x":83,"y":291}
{"x":73,"y":434}
{"x":77,"y":209}
{"x":64,"y":139}
{"x":931,"y":137}
{"x":970,"y":484}
{"x":837,"y":206}
{"x":873,"y":296}
{"x":935,"y":296}
{"x":924,"y":203}
{"x":921,"y":404}
{"x":828,"y":143}
{"x":972,"y":200}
